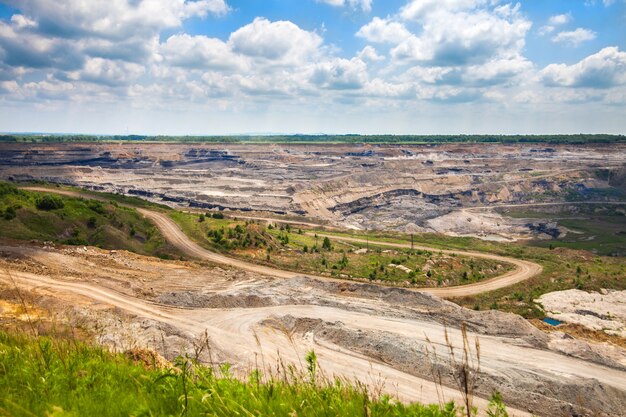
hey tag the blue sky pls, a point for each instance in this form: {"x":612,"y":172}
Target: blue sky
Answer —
{"x":313,"y":66}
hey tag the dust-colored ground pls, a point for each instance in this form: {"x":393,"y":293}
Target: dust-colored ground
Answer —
{"x":361,"y":331}
{"x":394,"y":187}
{"x":605,"y":311}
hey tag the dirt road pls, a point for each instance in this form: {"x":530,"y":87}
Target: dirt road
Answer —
{"x":523,"y":269}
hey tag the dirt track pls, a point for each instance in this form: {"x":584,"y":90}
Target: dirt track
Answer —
{"x":523,"y":271}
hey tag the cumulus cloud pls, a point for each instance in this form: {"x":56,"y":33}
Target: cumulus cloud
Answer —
{"x":340,"y":74}
{"x":384,"y":30}
{"x":365,"y":5}
{"x":113,"y":19}
{"x":604,"y":69}
{"x":574,"y":37}
{"x":369,"y":54}
{"x":461,"y":32}
{"x":554,"y":21}
{"x":559,"y":19}
{"x":450,"y":51}
{"x":421,"y":9}
{"x":199,"y":52}
{"x":280,"y":41}
{"x":108,"y":72}
{"x":20,"y":48}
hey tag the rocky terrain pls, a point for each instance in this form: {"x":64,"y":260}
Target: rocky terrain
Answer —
{"x":604,"y":311}
{"x":392,"y":339}
{"x":396,"y":187}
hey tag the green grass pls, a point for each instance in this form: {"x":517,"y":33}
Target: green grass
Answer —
{"x":112,"y":197}
{"x":563,"y":269}
{"x":78,"y":221}
{"x":57,"y":377}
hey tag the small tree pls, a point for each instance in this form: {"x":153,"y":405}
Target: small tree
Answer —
{"x":91,"y":222}
{"x":326,"y":244}
{"x":9,"y":213}
{"x":48,"y":202}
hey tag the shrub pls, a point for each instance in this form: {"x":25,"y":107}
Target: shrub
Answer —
{"x":49,"y":202}
{"x":9,"y":213}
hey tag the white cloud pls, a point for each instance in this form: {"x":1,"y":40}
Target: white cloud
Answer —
{"x":113,"y":19}
{"x":340,"y":74}
{"x":559,"y":19}
{"x":369,"y":54}
{"x":199,"y":52}
{"x":365,"y":5}
{"x":604,"y":69}
{"x":420,"y":9}
{"x":461,"y":32}
{"x":108,"y":72}
{"x":574,"y":37}
{"x":279,"y":42}
{"x":20,"y":21}
{"x":554,"y":21}
{"x":384,"y":30}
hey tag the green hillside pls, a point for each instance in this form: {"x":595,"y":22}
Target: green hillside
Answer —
{"x":27,"y":215}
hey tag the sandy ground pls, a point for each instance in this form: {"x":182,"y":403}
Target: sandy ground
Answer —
{"x":382,"y":336}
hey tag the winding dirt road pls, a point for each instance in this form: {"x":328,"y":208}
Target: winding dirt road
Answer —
{"x":523,"y":269}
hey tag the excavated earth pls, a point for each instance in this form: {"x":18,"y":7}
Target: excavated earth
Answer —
{"x":410,"y":188}
{"x":391,"y":339}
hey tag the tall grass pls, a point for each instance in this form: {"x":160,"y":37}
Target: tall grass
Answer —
{"x":42,"y":376}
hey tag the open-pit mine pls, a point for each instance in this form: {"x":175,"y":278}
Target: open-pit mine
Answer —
{"x":412,"y":188}
{"x":403,"y":340}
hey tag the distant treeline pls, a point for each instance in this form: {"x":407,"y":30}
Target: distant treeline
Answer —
{"x":350,"y":138}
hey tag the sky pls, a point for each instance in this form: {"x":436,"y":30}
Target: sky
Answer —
{"x":212,"y":67}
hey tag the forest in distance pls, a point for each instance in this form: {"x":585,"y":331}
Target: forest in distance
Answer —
{"x":301,"y":138}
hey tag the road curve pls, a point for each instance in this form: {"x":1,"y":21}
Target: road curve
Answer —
{"x":523,"y":269}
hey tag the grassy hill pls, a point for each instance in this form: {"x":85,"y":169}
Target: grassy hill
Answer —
{"x":27,"y":215}
{"x":41,"y":376}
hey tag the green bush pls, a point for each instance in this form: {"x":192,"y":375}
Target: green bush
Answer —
{"x":49,"y":202}
{"x":9,"y":213}
{"x":6,"y":188}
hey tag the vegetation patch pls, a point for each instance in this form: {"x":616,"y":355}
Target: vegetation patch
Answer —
{"x":28,"y":215}
{"x":595,"y":228}
{"x":56,"y":377}
{"x":285,"y":247}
